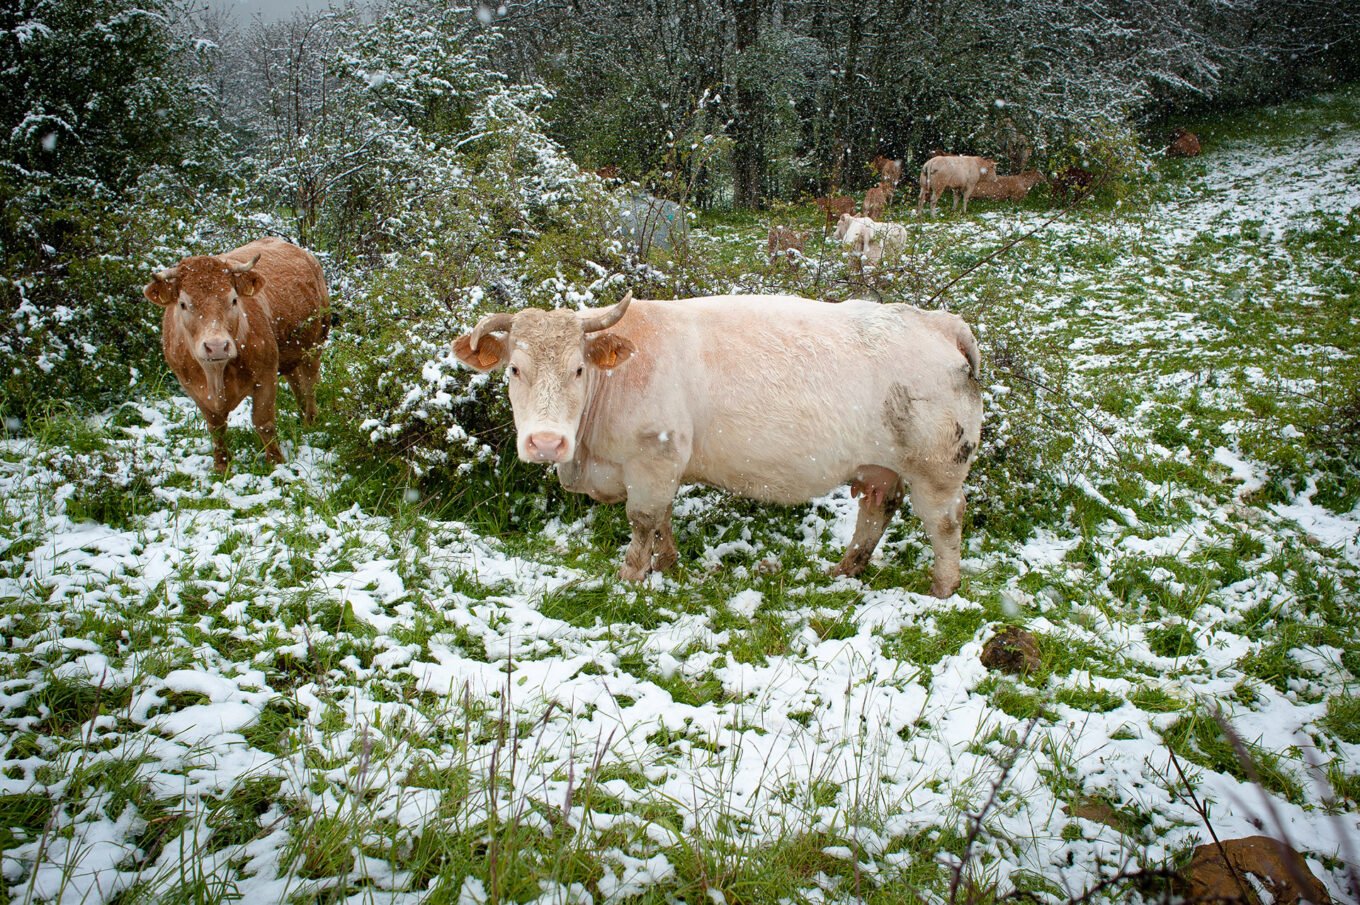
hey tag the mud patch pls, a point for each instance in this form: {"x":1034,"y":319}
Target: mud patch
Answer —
{"x":897,"y":414}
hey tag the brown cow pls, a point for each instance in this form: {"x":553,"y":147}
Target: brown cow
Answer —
{"x":782,"y":240}
{"x":234,"y":323}
{"x":1183,"y":144}
{"x":888,"y":170}
{"x":1008,"y":188}
{"x":833,"y":206}
{"x":875,"y":201}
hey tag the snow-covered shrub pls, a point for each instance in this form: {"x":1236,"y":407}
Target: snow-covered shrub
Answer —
{"x":517,"y":224}
{"x":76,"y":326}
{"x":1110,"y":150}
{"x":1036,"y":432}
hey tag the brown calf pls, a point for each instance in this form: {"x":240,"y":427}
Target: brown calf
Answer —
{"x":782,"y":240}
{"x":1183,"y":144}
{"x":835,"y":205}
{"x":875,"y":201}
{"x":1008,"y":188}
{"x":234,"y":323}
{"x":887,"y":169}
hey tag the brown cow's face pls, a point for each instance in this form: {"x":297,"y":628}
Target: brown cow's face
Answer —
{"x":203,"y":296}
{"x":548,"y":358}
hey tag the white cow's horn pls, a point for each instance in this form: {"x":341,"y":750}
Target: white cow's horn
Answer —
{"x":242,"y":268}
{"x":492,"y":323}
{"x":608,"y":317}
{"x":168,"y":275}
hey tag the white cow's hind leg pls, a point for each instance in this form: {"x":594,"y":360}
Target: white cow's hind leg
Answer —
{"x":664,"y":554}
{"x":940,"y":508}
{"x":637,"y":559}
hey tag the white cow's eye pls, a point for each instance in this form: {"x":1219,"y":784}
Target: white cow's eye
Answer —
{"x":234,"y":301}
{"x":580,"y":370}
{"x":514,"y":371}
{"x":183,"y":307}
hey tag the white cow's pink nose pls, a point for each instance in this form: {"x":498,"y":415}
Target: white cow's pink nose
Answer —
{"x":547,"y":446}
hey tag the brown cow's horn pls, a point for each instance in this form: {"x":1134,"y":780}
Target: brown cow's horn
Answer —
{"x":242,"y":268}
{"x":492,"y":323}
{"x":168,"y":275}
{"x":608,"y":317}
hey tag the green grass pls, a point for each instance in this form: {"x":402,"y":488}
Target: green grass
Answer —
{"x":501,"y":708}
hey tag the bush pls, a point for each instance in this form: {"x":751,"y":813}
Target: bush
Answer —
{"x":1033,"y":435}
{"x":76,"y":326}
{"x":98,"y":119}
{"x":530,"y":230}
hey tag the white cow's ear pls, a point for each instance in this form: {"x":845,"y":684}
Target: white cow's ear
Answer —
{"x":491,"y":352}
{"x":607,"y":351}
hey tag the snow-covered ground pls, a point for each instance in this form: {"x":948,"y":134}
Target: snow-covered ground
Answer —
{"x":408,"y":645}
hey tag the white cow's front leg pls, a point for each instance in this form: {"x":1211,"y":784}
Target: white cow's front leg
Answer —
{"x":651,"y":482}
{"x":647,"y":527}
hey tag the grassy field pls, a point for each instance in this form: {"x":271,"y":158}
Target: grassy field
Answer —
{"x":255,"y":687}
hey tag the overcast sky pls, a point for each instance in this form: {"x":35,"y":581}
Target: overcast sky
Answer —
{"x":269,"y":10}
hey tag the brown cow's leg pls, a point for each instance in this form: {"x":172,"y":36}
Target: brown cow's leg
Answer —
{"x":940,"y":507}
{"x":217,"y":429}
{"x":880,"y":494}
{"x":302,"y":381}
{"x":262,"y":414}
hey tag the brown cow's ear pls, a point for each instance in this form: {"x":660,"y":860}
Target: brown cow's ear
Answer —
{"x":608,"y":350}
{"x":248,"y":283}
{"x":490,"y":354}
{"x":162,"y":292}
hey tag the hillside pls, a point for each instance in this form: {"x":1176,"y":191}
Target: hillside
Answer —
{"x":254,"y":685}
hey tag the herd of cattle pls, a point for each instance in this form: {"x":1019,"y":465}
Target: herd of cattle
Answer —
{"x":867,"y":239}
{"x":772,"y":397}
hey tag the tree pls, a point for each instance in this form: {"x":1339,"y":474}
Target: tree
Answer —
{"x":99,"y":113}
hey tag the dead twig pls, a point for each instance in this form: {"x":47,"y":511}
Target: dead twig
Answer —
{"x":975,"y":820}
{"x":1288,"y":852}
{"x":1203,"y":811}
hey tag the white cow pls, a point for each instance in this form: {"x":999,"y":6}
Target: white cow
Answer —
{"x":776,"y":398}
{"x":954,"y":173}
{"x":868,"y":240}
